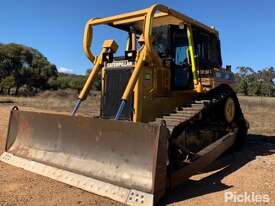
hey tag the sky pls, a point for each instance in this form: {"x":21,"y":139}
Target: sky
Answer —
{"x":55,"y":28}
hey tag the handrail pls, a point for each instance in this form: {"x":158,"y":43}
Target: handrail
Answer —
{"x":87,"y":40}
{"x":148,"y":49}
{"x":145,"y":51}
{"x":88,"y":33}
{"x":148,"y":30}
{"x":148,"y":17}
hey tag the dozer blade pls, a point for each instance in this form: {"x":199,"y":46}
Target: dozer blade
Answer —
{"x":121,"y":160}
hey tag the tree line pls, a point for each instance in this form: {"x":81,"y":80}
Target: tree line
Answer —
{"x":22,"y":66}
{"x":26,"y":71}
{"x":256,"y":83}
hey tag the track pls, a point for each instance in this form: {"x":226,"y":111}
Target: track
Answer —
{"x":194,"y":126}
{"x":181,"y":114}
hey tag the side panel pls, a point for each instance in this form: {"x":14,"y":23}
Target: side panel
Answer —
{"x":215,"y":77}
{"x":223,"y":77}
{"x":157,"y":99}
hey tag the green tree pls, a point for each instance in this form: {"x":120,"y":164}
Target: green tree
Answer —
{"x":254,"y":88}
{"x":256,"y":83}
{"x":243,"y":87}
{"x":26,"y":65}
{"x":7,"y":83}
{"x":76,"y":83}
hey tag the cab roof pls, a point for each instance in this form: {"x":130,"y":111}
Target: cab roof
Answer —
{"x":135,"y":20}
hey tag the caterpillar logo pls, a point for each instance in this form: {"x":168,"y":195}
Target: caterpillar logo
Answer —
{"x":123,"y":63}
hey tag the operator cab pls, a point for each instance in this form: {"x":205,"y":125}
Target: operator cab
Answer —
{"x":171,"y":43}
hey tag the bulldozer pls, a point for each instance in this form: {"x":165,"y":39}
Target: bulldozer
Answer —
{"x":167,"y":110}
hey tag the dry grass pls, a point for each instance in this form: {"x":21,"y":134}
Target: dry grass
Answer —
{"x":58,"y":101}
{"x":260,"y":113}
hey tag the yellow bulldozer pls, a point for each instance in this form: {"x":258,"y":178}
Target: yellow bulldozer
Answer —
{"x":168,"y":109}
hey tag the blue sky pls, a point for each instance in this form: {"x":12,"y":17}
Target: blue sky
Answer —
{"x":247,"y":27}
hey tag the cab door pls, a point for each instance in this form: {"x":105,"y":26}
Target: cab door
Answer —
{"x":180,"y":68}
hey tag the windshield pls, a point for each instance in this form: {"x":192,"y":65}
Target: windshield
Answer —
{"x":161,"y":40}
{"x":181,"y":46}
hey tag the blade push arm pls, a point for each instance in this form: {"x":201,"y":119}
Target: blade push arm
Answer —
{"x":108,"y":46}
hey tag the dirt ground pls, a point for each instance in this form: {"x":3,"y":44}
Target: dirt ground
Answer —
{"x":250,"y":170}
